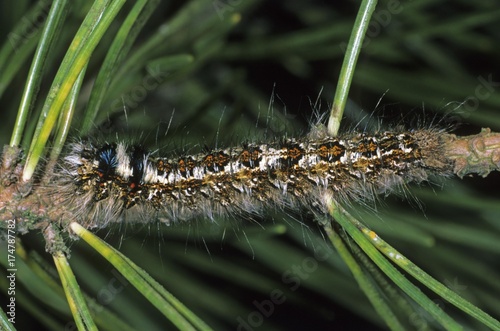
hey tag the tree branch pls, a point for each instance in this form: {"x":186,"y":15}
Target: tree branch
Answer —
{"x":479,"y":154}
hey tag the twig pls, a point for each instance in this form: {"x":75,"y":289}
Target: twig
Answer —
{"x":477,"y":154}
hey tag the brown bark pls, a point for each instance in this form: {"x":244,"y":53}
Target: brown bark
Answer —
{"x":476,"y":154}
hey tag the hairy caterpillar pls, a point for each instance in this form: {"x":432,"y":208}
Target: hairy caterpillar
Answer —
{"x":100,"y":184}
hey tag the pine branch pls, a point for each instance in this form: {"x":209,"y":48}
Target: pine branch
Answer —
{"x":477,"y":154}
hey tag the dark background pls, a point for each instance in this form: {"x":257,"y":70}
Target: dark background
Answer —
{"x":270,"y":76}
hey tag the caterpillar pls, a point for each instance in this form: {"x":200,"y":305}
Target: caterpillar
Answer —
{"x":98,"y":184}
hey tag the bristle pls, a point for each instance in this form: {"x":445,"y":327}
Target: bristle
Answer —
{"x":110,"y":183}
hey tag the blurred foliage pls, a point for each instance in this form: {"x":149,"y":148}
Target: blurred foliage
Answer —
{"x":205,"y":73}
